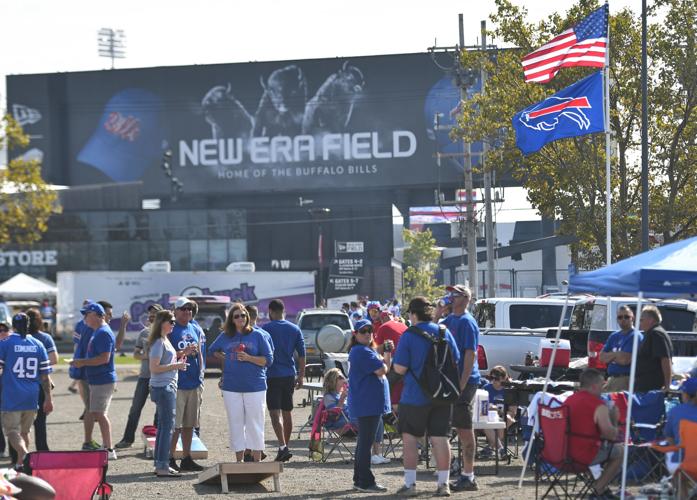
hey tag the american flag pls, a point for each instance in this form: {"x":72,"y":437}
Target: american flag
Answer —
{"x":583,"y":45}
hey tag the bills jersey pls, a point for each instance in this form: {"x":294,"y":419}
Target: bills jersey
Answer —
{"x":23,"y":361}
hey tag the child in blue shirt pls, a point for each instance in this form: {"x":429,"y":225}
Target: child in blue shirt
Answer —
{"x":495,"y":439}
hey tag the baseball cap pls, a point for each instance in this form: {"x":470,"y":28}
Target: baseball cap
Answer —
{"x":155,"y":308}
{"x":361,"y":323}
{"x":373,"y":305}
{"x":20,"y":322}
{"x":129,"y":137}
{"x":459,"y":290}
{"x":689,"y":386}
{"x":93,"y":307}
{"x":181,"y":302}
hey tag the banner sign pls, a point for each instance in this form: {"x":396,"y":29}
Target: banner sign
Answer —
{"x":347,"y":268}
{"x":310,"y":124}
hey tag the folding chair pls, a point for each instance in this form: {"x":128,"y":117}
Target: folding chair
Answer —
{"x":685,"y":476}
{"x":75,"y":475}
{"x":645,"y":464}
{"x":394,"y":437}
{"x":553,"y":463}
{"x":326,"y":439}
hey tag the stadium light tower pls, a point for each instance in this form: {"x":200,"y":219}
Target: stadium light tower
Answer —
{"x":111,"y":44}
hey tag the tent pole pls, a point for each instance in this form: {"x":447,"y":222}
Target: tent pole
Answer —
{"x":544,"y":389}
{"x":630,"y":398}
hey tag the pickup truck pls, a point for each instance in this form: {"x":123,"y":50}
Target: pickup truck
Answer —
{"x":511,"y":327}
{"x":593,"y":320}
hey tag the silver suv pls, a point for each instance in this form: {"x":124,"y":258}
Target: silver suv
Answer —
{"x":324,"y":330}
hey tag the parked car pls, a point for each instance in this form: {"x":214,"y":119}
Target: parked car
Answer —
{"x":212,"y":311}
{"x":324,"y":330}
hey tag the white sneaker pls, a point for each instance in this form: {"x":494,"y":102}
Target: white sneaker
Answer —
{"x":111,"y":453}
{"x":4,"y":454}
{"x":379,"y":460}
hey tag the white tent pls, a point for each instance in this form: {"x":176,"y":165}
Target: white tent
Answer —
{"x":24,"y":287}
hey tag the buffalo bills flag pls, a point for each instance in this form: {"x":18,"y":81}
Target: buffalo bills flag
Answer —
{"x":573,"y":111}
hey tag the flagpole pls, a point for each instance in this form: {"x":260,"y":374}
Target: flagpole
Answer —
{"x":608,"y":183}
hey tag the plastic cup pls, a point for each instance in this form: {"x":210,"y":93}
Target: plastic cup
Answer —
{"x":493,"y":416}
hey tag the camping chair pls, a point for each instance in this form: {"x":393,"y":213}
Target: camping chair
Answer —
{"x":75,"y":475}
{"x":685,"y":476}
{"x":553,"y":463}
{"x":645,"y":464}
{"x":325,"y":438}
{"x":394,"y":437}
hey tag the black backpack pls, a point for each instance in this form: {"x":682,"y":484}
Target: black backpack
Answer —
{"x":439,"y":380}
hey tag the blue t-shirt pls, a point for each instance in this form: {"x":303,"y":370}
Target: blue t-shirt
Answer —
{"x":287,"y":339}
{"x":81,"y":338}
{"x":622,"y":342}
{"x":466,"y":334}
{"x":180,"y":337}
{"x":411,"y":352}
{"x":243,"y":376}
{"x":369,"y":393}
{"x":683,"y":411}
{"x":46,"y":340}
{"x":23,"y":362}
{"x":495,"y":396}
{"x":102,"y":341}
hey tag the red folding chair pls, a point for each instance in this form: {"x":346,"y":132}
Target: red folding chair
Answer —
{"x":554,"y":464}
{"x":75,"y":475}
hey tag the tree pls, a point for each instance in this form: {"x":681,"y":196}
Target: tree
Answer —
{"x":566,"y":179}
{"x":26,"y":201}
{"x":421,"y":258}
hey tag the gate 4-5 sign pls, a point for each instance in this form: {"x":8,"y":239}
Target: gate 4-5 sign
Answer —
{"x":29,"y":258}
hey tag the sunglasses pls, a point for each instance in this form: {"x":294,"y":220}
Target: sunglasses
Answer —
{"x":186,"y":308}
{"x":4,"y":330}
{"x":238,"y":316}
{"x":365,"y":330}
{"x":172,"y":322}
{"x":626,"y":316}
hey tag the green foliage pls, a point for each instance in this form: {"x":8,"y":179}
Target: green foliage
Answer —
{"x":26,"y":201}
{"x":421,"y":258}
{"x":566,"y":179}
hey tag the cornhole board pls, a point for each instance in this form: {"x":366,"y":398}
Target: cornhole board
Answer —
{"x":198,"y":449}
{"x":242,"y":473}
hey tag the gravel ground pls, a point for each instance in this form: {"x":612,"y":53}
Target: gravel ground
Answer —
{"x":132,"y":475}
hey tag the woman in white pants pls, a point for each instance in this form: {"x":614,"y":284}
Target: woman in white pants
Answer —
{"x":246,"y":353}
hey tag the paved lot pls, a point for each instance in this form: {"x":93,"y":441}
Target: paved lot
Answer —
{"x":132,"y":475}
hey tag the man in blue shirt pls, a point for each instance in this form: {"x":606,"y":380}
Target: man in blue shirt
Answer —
{"x":617,"y":352}
{"x":25,"y":371}
{"x":100,"y":372}
{"x":282,"y":375}
{"x":687,"y":410}
{"x":418,"y":416}
{"x":466,"y":333}
{"x":186,"y":338}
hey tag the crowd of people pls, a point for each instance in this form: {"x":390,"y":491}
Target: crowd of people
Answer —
{"x":390,"y":360}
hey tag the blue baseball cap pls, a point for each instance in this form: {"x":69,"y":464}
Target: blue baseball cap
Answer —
{"x":93,"y":307}
{"x":20,"y":322}
{"x":689,"y":386}
{"x":362,"y":323}
{"x":130,"y":136}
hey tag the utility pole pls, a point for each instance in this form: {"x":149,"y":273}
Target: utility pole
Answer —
{"x":470,"y":223}
{"x":489,"y":228}
{"x":644,"y":135}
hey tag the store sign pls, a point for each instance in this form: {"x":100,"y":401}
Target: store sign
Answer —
{"x":29,"y":258}
{"x":306,"y":124}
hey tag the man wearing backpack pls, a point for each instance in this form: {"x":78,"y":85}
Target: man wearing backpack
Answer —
{"x":422,"y":411}
{"x":466,"y":333}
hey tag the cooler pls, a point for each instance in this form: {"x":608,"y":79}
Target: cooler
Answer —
{"x":562,"y":357}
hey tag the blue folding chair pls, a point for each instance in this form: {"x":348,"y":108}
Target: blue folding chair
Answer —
{"x":648,"y":417}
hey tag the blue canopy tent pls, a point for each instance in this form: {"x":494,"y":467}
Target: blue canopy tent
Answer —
{"x":667,"y":271}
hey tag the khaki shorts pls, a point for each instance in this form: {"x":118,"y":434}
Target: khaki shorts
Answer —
{"x":188,"y":405}
{"x":17,"y":422}
{"x":100,"y":397}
